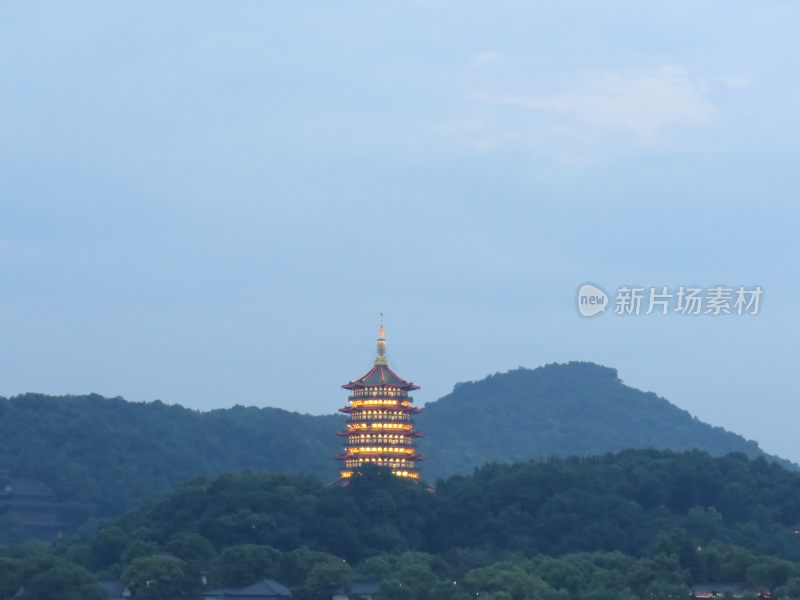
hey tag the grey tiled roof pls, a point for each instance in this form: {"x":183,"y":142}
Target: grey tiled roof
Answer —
{"x":266,"y":588}
{"x":25,"y":487}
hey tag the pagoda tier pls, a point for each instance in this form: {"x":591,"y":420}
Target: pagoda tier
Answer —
{"x":359,"y":406}
{"x":379,"y":376}
{"x":380,"y":429}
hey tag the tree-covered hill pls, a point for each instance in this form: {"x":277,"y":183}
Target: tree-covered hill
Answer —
{"x":558,"y":410}
{"x":106,"y":455}
{"x":103,"y":456}
{"x":639,"y":524}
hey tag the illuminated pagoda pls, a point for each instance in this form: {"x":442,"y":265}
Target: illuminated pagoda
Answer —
{"x":380,"y":430}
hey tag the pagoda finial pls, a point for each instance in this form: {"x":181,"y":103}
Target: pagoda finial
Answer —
{"x":381,"y":358}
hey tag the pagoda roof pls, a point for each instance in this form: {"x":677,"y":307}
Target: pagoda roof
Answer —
{"x":380,"y":376}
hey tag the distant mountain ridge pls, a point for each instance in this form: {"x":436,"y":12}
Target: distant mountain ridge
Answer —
{"x":577,"y":408}
{"x":106,"y":455}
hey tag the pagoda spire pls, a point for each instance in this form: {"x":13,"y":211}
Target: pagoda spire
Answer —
{"x":381,"y":360}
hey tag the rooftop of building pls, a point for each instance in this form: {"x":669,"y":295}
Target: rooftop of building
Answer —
{"x":30,"y":488}
{"x":265,"y":588}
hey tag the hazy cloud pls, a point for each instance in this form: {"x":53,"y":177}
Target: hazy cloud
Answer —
{"x":487,"y":58}
{"x":641,"y":105}
{"x":493,"y":58}
{"x":736,"y":81}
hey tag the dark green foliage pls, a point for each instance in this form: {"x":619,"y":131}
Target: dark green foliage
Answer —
{"x":790,"y":590}
{"x":48,"y":578}
{"x":561,"y":529}
{"x":11,"y":528}
{"x":324,"y":578}
{"x":550,"y":507}
{"x":237,"y":566}
{"x":156,"y":575}
{"x":558,"y":410}
{"x":770,"y":572}
{"x":415,"y":575}
{"x":190,"y":546}
{"x":603,"y":503}
{"x":513,"y":579}
{"x":107,"y":547}
{"x":12,"y":575}
{"x":104,"y":456}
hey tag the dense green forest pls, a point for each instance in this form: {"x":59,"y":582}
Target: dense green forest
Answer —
{"x":103,"y":456}
{"x":638,"y":524}
{"x":569,"y":409}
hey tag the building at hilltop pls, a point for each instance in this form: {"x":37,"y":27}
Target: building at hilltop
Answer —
{"x":380,"y":429}
{"x":33,"y":506}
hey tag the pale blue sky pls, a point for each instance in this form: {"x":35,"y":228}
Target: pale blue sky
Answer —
{"x":210,"y":203}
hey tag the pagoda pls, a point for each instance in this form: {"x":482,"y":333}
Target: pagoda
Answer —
{"x":380,"y":429}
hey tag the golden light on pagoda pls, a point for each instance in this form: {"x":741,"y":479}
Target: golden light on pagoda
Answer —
{"x":380,"y":429}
